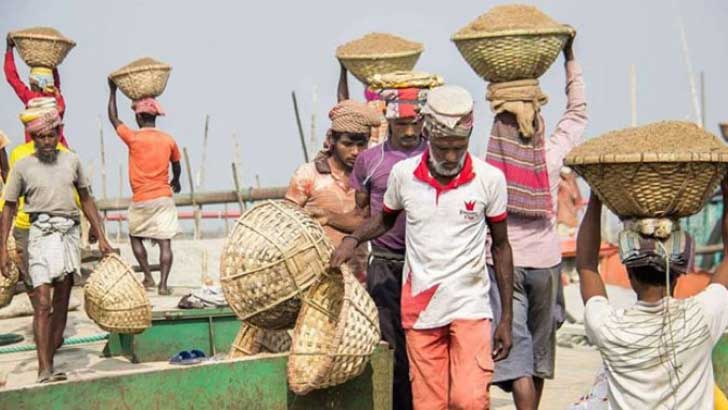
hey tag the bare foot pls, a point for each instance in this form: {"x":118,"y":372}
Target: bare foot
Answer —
{"x":44,"y":376}
{"x":164,"y":291}
{"x":148,"y":283}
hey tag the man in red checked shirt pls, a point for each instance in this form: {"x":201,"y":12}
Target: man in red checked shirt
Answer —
{"x":44,"y":82}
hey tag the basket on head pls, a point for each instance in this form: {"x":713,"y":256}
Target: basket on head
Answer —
{"x":115,"y":299}
{"x":252,"y":340}
{"x":378,"y":53}
{"x":7,"y":285}
{"x":653,"y":184}
{"x":42,"y":46}
{"x":142,"y":78}
{"x":272,"y":256}
{"x":335,"y":334}
{"x":510,"y":56}
{"x":512,"y":42}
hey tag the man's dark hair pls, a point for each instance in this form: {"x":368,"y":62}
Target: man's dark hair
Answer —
{"x":648,"y":275}
{"x":354,"y":137}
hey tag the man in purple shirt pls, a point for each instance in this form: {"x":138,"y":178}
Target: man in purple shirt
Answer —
{"x":369,"y":179}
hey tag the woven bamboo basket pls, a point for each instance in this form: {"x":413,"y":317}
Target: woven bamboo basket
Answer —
{"x":335,"y":334}
{"x":652,"y":185}
{"x":365,"y":66}
{"x":42,"y":46}
{"x":7,"y":285}
{"x":252,"y":340}
{"x":272,"y":256}
{"x":142,"y":78}
{"x":514,"y":54}
{"x":724,"y":130}
{"x":115,"y":298}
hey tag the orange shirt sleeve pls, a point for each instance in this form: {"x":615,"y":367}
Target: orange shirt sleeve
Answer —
{"x":299,"y":189}
{"x":175,"y":155}
{"x":125,"y":133}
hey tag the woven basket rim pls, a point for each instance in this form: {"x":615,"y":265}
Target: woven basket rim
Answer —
{"x":382,"y":56}
{"x":563,"y":30}
{"x":34,"y":36}
{"x":647,"y":157}
{"x":134,"y":70}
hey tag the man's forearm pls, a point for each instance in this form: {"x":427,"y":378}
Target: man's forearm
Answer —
{"x":503,"y":265}
{"x":374,"y":227}
{"x":6,"y":221}
{"x":88,"y":206}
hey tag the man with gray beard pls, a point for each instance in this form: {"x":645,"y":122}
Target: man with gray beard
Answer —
{"x":48,"y":180}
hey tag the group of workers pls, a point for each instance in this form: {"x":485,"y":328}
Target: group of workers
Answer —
{"x":465,"y":253}
{"x":46,"y":189}
{"x":460,"y":254}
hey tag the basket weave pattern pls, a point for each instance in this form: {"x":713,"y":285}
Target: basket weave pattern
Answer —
{"x":252,"y":340}
{"x":115,"y":299}
{"x":272,"y":256}
{"x":510,"y":57}
{"x":335,"y":334}
{"x":142,"y":82}
{"x":7,"y":285}
{"x":651,"y":189}
{"x":38,"y":50}
{"x":363,"y":67}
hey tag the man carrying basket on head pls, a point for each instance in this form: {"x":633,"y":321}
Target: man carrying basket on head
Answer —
{"x":49,"y":180}
{"x":152,"y":213}
{"x":531,"y":162}
{"x":44,"y":82}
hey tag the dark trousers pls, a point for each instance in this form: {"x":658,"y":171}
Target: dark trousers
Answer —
{"x":384,"y":283}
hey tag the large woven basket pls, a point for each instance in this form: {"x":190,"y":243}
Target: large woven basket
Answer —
{"x":335,"y":334}
{"x":514,"y":54}
{"x":142,"y":78}
{"x":115,"y":298}
{"x":272,"y":256}
{"x":7,"y":285}
{"x":42,"y":46}
{"x":652,"y":185}
{"x":252,"y":340}
{"x":365,"y":66}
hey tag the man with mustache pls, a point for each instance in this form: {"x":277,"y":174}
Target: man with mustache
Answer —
{"x":49,"y":180}
{"x":452,"y":200}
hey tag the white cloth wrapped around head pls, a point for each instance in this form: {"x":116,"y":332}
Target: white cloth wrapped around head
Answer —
{"x":448,"y":112}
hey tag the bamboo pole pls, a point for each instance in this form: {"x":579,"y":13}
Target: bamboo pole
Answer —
{"x":227,"y":223}
{"x":196,"y":208}
{"x":689,"y":64}
{"x":103,"y":164}
{"x":313,"y":138}
{"x":237,"y":159}
{"x":236,"y":182}
{"x":121,"y":193}
{"x":203,"y":198}
{"x":300,"y":127}
{"x":257,"y":181}
{"x":201,"y":173}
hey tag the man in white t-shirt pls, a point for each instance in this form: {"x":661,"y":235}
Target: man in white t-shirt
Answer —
{"x":451,"y":200}
{"x":657,"y":353}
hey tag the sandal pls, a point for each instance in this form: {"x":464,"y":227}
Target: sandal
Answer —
{"x":59,"y":377}
{"x":44,"y":377}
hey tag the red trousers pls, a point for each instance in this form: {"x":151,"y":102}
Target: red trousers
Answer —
{"x":451,"y":367}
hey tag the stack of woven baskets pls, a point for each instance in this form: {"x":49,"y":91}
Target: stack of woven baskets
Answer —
{"x":42,"y":46}
{"x":115,"y":299}
{"x":661,"y":170}
{"x":274,"y":275}
{"x":142,"y":78}
{"x":511,"y":42}
{"x":378,"y":53}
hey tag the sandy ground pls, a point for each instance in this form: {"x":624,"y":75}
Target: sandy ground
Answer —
{"x":575,"y":366}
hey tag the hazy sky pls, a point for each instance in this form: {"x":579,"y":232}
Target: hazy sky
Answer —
{"x":238,"y":61}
